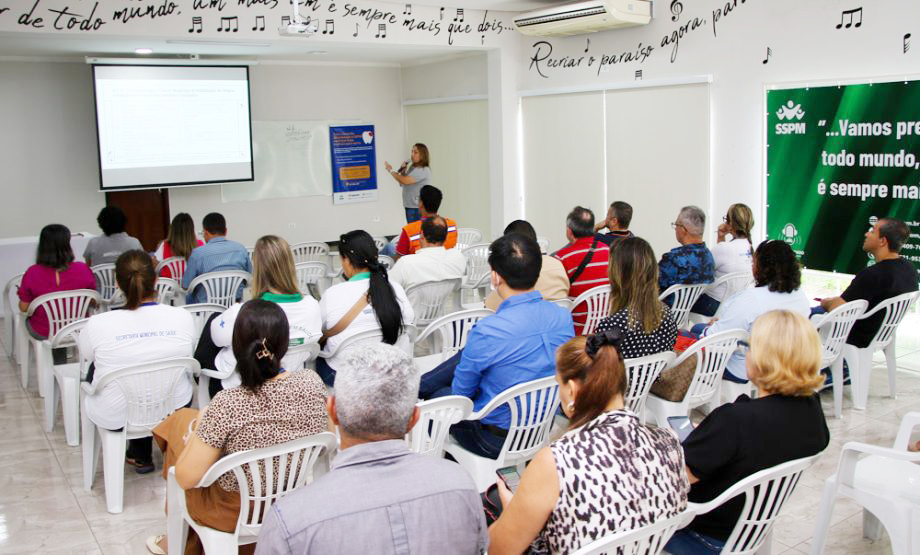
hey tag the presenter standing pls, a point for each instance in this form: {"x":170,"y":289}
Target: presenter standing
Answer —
{"x":412,"y":177}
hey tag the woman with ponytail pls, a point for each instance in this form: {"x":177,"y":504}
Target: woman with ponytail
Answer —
{"x":607,"y":474}
{"x":143,"y":331}
{"x":367,"y":301}
{"x":270,"y":407}
{"x":730,"y":255}
{"x":180,"y":241}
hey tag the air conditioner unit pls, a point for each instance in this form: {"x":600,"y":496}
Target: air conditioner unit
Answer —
{"x":584,"y":17}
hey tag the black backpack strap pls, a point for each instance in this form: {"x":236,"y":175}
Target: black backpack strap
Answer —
{"x":584,"y":262}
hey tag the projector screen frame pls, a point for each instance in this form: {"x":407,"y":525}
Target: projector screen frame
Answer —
{"x":171,"y":185}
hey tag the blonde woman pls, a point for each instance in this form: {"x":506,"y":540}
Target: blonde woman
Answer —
{"x":785,"y":422}
{"x":730,"y":256}
{"x":645,"y":322}
{"x":180,"y":241}
{"x":273,"y":279}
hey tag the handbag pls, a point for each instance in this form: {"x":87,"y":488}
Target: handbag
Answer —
{"x":672,"y":384}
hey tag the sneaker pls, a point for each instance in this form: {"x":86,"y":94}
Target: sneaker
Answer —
{"x":153,"y":545}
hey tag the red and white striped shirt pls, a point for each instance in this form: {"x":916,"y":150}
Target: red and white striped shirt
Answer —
{"x":594,"y":274}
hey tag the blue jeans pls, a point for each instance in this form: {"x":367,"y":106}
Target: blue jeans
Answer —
{"x":413,"y":215}
{"x":705,"y":305}
{"x":817,"y":310}
{"x":326,"y":372}
{"x":688,"y":542}
{"x":390,"y":248}
{"x":436,"y":383}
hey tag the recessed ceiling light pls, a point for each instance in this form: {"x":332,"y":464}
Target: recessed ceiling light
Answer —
{"x":143,"y":51}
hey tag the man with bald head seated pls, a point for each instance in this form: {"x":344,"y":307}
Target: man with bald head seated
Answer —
{"x":553,"y":282}
{"x":431,"y":262}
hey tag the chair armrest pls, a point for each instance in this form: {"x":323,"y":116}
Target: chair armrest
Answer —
{"x":211,"y":373}
{"x":908,"y":423}
{"x":818,"y":320}
{"x":88,"y":388}
{"x":853,"y":451}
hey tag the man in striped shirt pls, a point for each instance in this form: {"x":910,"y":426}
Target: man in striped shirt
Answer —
{"x":585,"y":259}
{"x":217,"y":254}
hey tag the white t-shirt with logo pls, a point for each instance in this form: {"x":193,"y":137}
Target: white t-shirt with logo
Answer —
{"x":306,"y":327}
{"x":729,"y":256}
{"x":122,"y":338}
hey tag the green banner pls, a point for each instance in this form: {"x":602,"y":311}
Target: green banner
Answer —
{"x":838,"y":158}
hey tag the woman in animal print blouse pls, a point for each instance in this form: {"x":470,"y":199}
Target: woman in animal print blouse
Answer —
{"x":607,"y":474}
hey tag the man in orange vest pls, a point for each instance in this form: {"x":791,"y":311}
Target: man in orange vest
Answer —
{"x":429,"y":201}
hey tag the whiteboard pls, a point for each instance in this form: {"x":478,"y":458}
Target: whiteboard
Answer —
{"x":291,"y":159}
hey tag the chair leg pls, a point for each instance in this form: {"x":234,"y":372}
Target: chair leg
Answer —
{"x":204,"y":394}
{"x":113,"y":470}
{"x":824,"y":516}
{"x":39,"y":349}
{"x":90,"y":451}
{"x":864,"y":369}
{"x":176,"y":526}
{"x":70,"y":407}
{"x":872,"y":526}
{"x":892,"y":362}
{"x":24,"y":360}
{"x":52,"y":395}
{"x":837,"y":378}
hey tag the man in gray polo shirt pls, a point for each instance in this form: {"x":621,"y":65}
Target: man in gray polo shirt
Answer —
{"x":378,"y":497}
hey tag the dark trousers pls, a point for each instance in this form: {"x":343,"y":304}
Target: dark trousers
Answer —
{"x":436,"y":383}
{"x":688,"y":542}
{"x":706,"y":305}
{"x":413,"y":215}
{"x":326,"y":372}
{"x":206,"y":354}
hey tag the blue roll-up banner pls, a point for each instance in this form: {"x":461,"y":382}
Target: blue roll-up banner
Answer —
{"x":354,"y":164}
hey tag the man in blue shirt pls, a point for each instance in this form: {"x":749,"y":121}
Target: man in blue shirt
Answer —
{"x":691,"y":262}
{"x":217,"y":254}
{"x":515,"y":345}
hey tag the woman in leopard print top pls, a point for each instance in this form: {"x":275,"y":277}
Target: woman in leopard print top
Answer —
{"x":607,"y":474}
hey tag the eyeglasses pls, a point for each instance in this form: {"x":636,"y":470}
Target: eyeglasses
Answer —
{"x":676,"y":225}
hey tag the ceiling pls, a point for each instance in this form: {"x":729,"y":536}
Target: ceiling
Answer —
{"x":277,"y":49}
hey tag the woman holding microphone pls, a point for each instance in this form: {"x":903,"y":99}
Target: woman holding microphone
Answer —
{"x":411,"y":177}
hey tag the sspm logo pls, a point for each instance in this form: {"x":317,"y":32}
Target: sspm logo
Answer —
{"x":792,"y":113}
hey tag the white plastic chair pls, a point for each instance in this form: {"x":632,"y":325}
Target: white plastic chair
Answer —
{"x":148,"y":390}
{"x":221,"y":287}
{"x":386,"y":261}
{"x":764,"y":493}
{"x":429,"y":299}
{"x":532,"y":405}
{"x":648,"y":539}
{"x":596,"y":303}
{"x":685,"y":296}
{"x":105,"y":284}
{"x":886,"y":482}
{"x":729,"y":284}
{"x":310,"y":251}
{"x":175,"y":265}
{"x":833,"y":329}
{"x":311,"y":276}
{"x":166,"y":289}
{"x":467,"y":237}
{"x":477,"y":262}
{"x":61,"y":308}
{"x":380,"y":242}
{"x":435,"y":418}
{"x":12,"y":314}
{"x":473,"y":294}
{"x":448,"y":334}
{"x":297,"y":463}
{"x":859,"y":360}
{"x":564,"y":303}
{"x":641,"y":373}
{"x":65,"y":384}
{"x":201,"y":312}
{"x":712,"y":355}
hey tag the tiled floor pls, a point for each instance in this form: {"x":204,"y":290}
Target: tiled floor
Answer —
{"x":44,"y":508}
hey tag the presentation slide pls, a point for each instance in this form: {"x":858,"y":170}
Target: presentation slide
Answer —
{"x":161,"y":126}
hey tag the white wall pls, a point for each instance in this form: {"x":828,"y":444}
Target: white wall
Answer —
{"x":48,"y":148}
{"x":805,"y":44}
{"x":465,"y":75}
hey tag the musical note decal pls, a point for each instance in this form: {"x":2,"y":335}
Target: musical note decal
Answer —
{"x":356,"y":30}
{"x":226,"y":22}
{"x":408,"y":10}
{"x":442,"y":14}
{"x":459,"y":16}
{"x":587,"y":46}
{"x":196,"y":24}
{"x":906,"y":42}
{"x":769,"y":53}
{"x":676,"y":9}
{"x":381,"y":31}
{"x":260,"y":23}
{"x":330,"y":27}
{"x":850,"y":13}
{"x":285,"y":20}
{"x":638,"y":75}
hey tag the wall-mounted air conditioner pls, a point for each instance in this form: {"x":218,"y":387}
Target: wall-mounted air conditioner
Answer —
{"x":584,"y":17}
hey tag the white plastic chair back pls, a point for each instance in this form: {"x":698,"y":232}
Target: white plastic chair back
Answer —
{"x":310,"y":276}
{"x":11,"y":310}
{"x":429,"y":299}
{"x":685,"y":296}
{"x":201,"y":312}
{"x":597,"y":305}
{"x":369,"y":336}
{"x":310,"y":251}
{"x":166,"y":289}
{"x":304,"y":353}
{"x":436,"y":417}
{"x":105,"y":280}
{"x":835,"y":328}
{"x":895,"y":309}
{"x":451,"y":331}
{"x":564,"y":303}
{"x":380,"y":242}
{"x":641,"y":373}
{"x":533,"y":406}
{"x":544,"y":244}
{"x":64,"y":307}
{"x":648,"y":539}
{"x":386,"y":261}
{"x":221,"y":287}
{"x":467,"y":237}
{"x":712,"y":355}
{"x":175,"y":265}
{"x":731,"y":283}
{"x":65,"y":383}
{"x":764,"y":493}
{"x":477,"y":262}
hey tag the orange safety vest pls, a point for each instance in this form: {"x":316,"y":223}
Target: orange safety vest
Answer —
{"x":414,"y":232}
